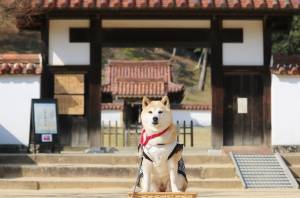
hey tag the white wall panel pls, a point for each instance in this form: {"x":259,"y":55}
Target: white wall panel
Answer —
{"x":15,"y":103}
{"x":199,"y":118}
{"x":285,"y":110}
{"x":113,"y":116}
{"x":250,"y":52}
{"x":61,"y":51}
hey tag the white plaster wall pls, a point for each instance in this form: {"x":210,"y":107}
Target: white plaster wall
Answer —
{"x":285,"y":110}
{"x":250,"y":52}
{"x":15,"y":104}
{"x":112,"y":116}
{"x":61,"y":51}
{"x":200,"y":118}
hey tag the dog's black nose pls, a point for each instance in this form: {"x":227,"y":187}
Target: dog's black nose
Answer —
{"x":155,"y":119}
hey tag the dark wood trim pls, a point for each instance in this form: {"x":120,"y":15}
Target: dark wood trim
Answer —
{"x":232,"y":35}
{"x":267,"y":33}
{"x":158,"y":14}
{"x":243,"y":67}
{"x":47,"y":81}
{"x":155,"y":44}
{"x":81,"y":69}
{"x":244,"y":70}
{"x":153,"y":36}
{"x":157,"y":35}
{"x":79,"y":35}
{"x":217,"y":83}
{"x":94,"y":83}
{"x":170,"y":14}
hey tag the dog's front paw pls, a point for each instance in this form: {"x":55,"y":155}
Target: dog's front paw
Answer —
{"x":176,"y":190}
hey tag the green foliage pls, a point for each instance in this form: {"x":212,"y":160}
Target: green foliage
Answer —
{"x":288,"y":43}
{"x":23,"y":42}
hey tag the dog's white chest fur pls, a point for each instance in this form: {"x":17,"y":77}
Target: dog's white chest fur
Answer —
{"x":159,"y":153}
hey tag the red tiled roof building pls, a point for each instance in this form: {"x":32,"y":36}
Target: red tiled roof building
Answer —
{"x":135,"y":79}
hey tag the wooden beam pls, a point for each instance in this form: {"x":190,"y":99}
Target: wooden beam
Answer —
{"x":67,"y":69}
{"x":79,"y":35}
{"x":267,"y":33}
{"x":217,"y":83}
{"x":243,"y":70}
{"x":157,"y":35}
{"x":93,"y":97}
{"x":46,"y":77}
{"x":232,"y":35}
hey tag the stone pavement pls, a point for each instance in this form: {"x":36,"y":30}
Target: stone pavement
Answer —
{"x":122,"y":193}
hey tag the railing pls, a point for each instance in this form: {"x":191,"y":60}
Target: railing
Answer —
{"x":112,"y":135}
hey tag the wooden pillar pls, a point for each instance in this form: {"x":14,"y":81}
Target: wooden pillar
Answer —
{"x":267,"y":33}
{"x":94,"y":83}
{"x":46,"y":76}
{"x":217,"y":83}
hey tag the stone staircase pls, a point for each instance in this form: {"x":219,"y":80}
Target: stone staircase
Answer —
{"x":61,"y":171}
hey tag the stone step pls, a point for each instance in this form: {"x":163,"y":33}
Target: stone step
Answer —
{"x":36,"y":183}
{"x":104,"y":170}
{"x":118,"y":158}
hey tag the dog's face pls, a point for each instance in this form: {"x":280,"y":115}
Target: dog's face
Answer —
{"x":156,"y":115}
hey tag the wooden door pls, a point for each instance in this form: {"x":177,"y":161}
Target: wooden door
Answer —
{"x":243,"y":110}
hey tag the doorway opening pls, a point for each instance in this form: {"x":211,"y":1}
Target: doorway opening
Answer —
{"x":182,"y":74}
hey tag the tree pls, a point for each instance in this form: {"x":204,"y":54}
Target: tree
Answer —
{"x":202,"y":65}
{"x":9,"y":10}
{"x":288,"y":43}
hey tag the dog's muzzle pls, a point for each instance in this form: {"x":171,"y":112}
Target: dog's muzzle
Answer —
{"x":155,"y":120}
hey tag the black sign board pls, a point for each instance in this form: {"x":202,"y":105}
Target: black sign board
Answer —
{"x":44,"y":124}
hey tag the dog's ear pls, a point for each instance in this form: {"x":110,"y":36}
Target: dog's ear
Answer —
{"x":165,"y":100}
{"x":146,"y":102}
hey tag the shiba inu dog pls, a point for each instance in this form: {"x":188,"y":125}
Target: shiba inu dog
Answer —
{"x":162,"y":168}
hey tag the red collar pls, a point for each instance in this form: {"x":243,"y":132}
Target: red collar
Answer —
{"x":144,"y":142}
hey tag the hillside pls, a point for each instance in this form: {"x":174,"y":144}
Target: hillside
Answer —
{"x":185,"y":70}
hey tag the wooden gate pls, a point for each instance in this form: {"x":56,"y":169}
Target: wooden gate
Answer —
{"x":243,"y":110}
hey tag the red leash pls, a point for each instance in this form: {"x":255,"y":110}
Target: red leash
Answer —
{"x":144,"y":142}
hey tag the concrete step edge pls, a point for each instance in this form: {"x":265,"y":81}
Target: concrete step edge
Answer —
{"x":99,"y":179}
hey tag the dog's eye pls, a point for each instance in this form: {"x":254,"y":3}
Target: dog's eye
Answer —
{"x":149,"y":111}
{"x":160,"y":112}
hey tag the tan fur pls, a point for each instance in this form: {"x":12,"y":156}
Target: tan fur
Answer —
{"x":164,"y":178}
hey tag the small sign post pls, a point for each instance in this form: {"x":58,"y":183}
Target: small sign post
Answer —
{"x":44,"y":124}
